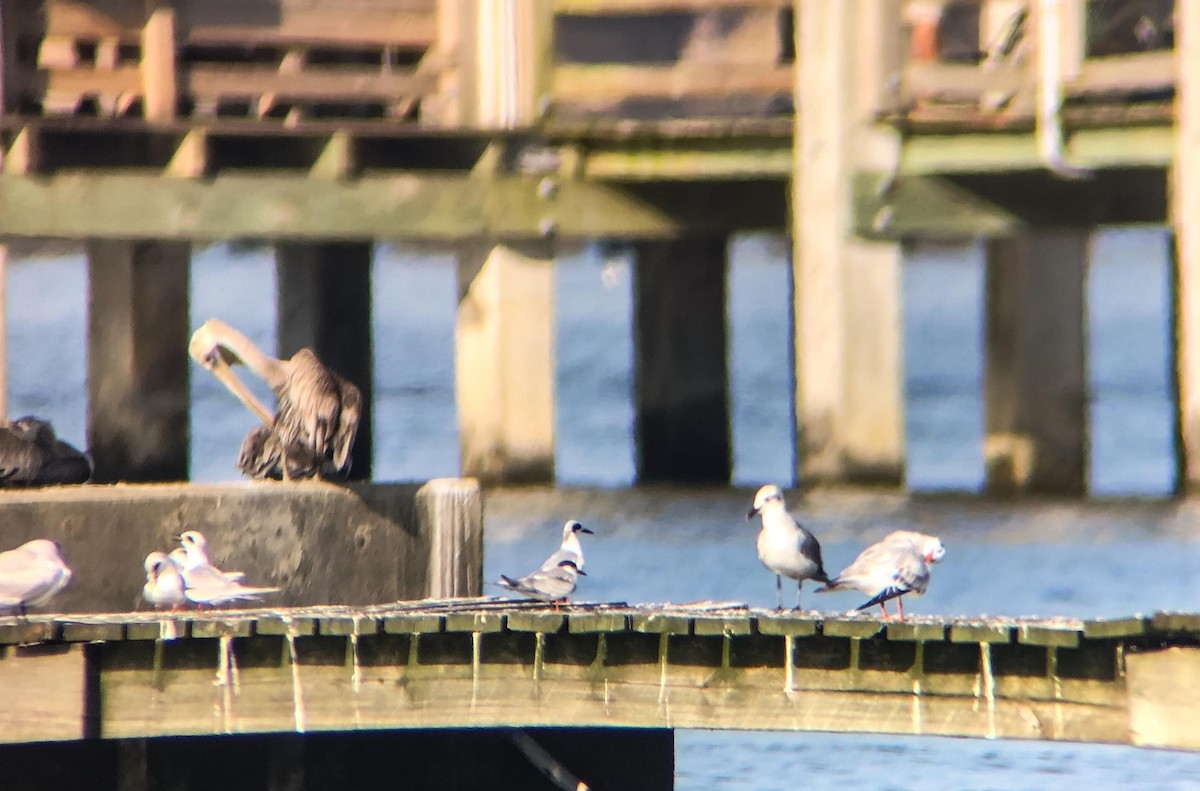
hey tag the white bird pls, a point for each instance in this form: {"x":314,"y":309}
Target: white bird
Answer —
{"x":164,"y":581}
{"x":204,"y":583}
{"x":546,"y":584}
{"x":890,"y":568}
{"x":571,"y":548}
{"x":31,"y":574}
{"x":192,"y":552}
{"x":784,"y":546}
{"x":208,"y":585}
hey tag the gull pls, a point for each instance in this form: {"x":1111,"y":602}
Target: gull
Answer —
{"x":208,"y":585}
{"x":179,"y":557}
{"x":890,"y":568}
{"x":31,"y":574}
{"x":318,"y":410}
{"x":784,"y":546}
{"x":164,"y":581}
{"x":193,"y":553}
{"x":571,"y":549}
{"x":553,"y":584}
{"x":204,"y":583}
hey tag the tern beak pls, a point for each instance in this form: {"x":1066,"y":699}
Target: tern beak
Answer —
{"x":753,"y":513}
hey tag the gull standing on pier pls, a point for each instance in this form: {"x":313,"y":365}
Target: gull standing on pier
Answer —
{"x":890,"y":568}
{"x":571,"y":548}
{"x":784,"y":546}
{"x":164,"y":581}
{"x":31,"y":455}
{"x":204,"y":583}
{"x":31,"y":574}
{"x":552,"y":584}
{"x":313,"y":428}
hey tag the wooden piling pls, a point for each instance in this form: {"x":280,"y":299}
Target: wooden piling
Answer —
{"x":137,"y":422}
{"x":1035,"y":376}
{"x":504,"y":361}
{"x":849,"y":403}
{"x":325,"y":304}
{"x":1185,"y":220}
{"x":681,"y":378}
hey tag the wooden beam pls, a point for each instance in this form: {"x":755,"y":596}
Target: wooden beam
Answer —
{"x":1164,"y":696}
{"x":45,"y":693}
{"x":159,"y":93}
{"x":409,"y":206}
{"x":1114,"y":147}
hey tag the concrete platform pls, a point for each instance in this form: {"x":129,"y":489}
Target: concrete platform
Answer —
{"x":321,"y":543}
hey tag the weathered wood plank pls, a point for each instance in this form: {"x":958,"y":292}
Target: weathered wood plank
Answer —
{"x":607,"y":83}
{"x":1164,"y":697}
{"x":44,"y":693}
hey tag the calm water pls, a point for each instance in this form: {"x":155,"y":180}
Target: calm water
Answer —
{"x":1097,"y":559}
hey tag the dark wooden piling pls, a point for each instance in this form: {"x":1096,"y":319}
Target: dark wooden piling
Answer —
{"x":138,"y":366}
{"x":325,"y":304}
{"x":681,"y":376}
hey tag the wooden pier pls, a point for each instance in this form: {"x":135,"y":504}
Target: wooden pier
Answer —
{"x":510,"y":131}
{"x":480,"y":664}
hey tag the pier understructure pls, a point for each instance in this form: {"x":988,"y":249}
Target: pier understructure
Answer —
{"x":508,"y":134}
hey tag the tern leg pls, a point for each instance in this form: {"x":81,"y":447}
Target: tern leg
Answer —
{"x":883,"y":606}
{"x":799,"y":585}
{"x":900,"y":604}
{"x":778,"y":592}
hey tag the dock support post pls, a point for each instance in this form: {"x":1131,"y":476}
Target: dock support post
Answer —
{"x":846,"y":318}
{"x":1185,"y":209}
{"x":504,"y":361}
{"x":1035,"y":379}
{"x":137,"y":422}
{"x":680,"y":366}
{"x":325,"y":304}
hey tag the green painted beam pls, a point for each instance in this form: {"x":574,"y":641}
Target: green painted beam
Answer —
{"x":428,"y":206}
{"x":998,"y":204}
{"x":982,"y":152}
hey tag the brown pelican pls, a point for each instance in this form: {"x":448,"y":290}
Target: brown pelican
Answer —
{"x":318,"y":410}
{"x":31,"y":455}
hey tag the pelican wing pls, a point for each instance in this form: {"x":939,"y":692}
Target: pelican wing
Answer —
{"x":347,"y":428}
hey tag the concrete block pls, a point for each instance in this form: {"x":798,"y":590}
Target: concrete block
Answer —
{"x":321,"y":543}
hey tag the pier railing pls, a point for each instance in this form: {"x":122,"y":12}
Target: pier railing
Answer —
{"x":421,"y":61}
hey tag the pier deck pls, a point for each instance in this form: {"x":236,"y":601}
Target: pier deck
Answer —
{"x":484,"y":663}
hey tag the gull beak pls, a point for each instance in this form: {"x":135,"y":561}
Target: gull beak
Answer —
{"x":753,"y":513}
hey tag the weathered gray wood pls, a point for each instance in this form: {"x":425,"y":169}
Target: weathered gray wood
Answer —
{"x":45,"y":693}
{"x":410,"y":206}
{"x":325,"y":304}
{"x":138,"y":366}
{"x":1035,"y":377}
{"x":1185,"y":208}
{"x":1164,"y":697}
{"x":846,"y":292}
{"x":681,"y":377}
{"x":504,"y":361}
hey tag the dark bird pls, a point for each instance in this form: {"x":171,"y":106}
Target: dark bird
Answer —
{"x":313,"y":427}
{"x":784,"y":545}
{"x":32,"y":455}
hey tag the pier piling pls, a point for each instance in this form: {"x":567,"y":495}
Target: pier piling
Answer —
{"x":325,"y":304}
{"x":138,"y":399}
{"x":504,"y":363}
{"x":681,"y":377}
{"x":846,"y":290}
{"x":1035,"y":376}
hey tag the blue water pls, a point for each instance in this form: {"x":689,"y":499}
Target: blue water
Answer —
{"x":1098,"y":558}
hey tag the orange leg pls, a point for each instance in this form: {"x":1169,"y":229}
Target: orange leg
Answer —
{"x":900,"y":604}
